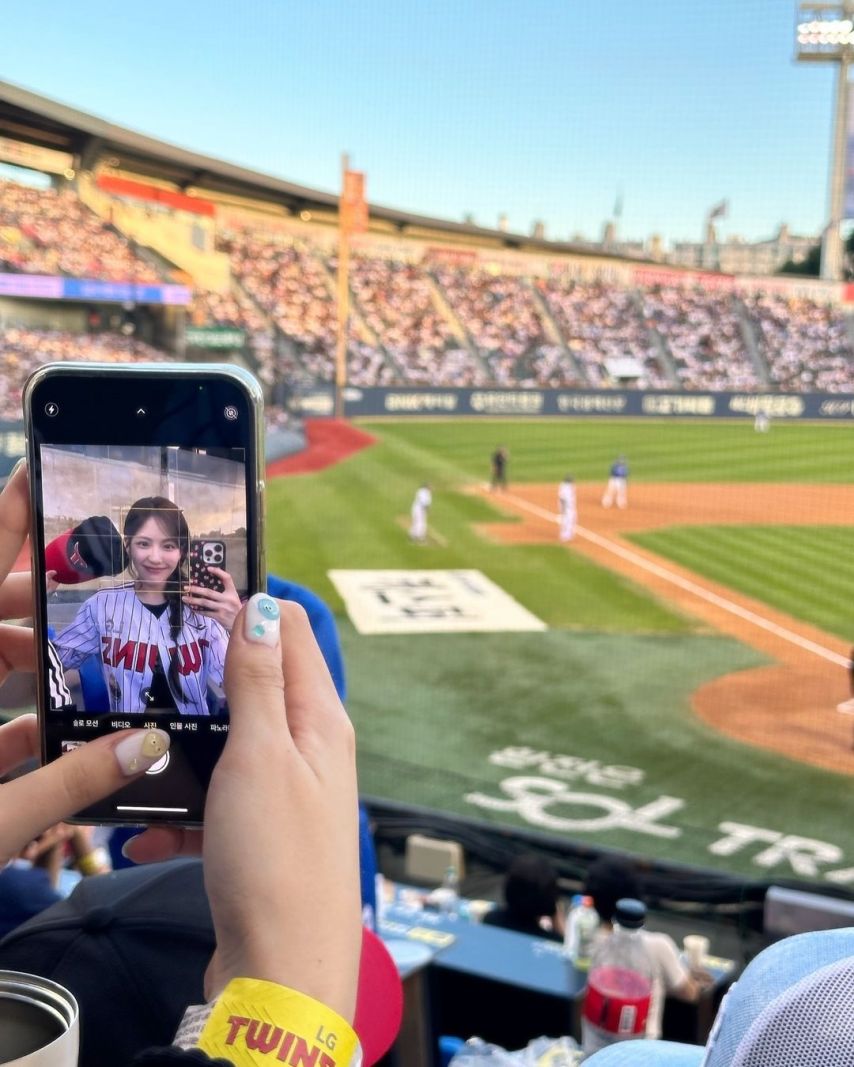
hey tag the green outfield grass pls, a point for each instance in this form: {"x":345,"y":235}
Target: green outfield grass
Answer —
{"x":610,"y":682}
{"x":657,"y":450}
{"x":807,"y":571}
{"x":429,"y":717}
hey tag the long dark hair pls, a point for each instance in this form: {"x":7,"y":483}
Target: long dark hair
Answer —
{"x":170,"y":519}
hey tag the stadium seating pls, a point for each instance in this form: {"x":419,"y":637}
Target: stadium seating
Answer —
{"x":416,"y":322}
{"x":23,"y":350}
{"x":49,"y":231}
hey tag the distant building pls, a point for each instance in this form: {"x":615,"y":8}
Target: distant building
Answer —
{"x":737,"y":256}
{"x":732,"y":256}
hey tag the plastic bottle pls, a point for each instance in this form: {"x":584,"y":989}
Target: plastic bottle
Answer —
{"x":619,"y":986}
{"x":570,"y":934}
{"x":450,"y":899}
{"x":582,"y":926}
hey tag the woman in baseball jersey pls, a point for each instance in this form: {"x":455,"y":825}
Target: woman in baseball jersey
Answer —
{"x":156,"y":651}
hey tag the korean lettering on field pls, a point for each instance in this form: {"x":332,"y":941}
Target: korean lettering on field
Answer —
{"x":557,"y":794}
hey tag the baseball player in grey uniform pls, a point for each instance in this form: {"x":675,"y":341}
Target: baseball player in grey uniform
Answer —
{"x":156,"y":652}
{"x":618,"y":482}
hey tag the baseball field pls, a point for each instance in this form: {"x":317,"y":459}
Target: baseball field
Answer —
{"x":671,"y":688}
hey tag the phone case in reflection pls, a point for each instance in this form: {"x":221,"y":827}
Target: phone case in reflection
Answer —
{"x":204,"y":554}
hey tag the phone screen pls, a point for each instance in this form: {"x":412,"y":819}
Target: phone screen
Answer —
{"x":145,"y":486}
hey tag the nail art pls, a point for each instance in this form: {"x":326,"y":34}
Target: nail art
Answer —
{"x":141,"y":750}
{"x":262,"y":620}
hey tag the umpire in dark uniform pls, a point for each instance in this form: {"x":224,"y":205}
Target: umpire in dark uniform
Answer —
{"x":499,"y":468}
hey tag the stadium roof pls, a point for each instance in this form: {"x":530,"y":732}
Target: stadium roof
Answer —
{"x":26,"y":116}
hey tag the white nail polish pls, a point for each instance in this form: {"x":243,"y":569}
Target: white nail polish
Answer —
{"x":261,"y":623}
{"x":141,"y":750}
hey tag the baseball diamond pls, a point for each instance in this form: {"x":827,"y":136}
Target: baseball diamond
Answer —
{"x":682,"y":700}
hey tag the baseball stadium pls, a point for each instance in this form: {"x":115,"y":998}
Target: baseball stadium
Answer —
{"x":668,"y":677}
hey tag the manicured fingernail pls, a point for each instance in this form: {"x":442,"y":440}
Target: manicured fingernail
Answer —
{"x":262,"y":620}
{"x":141,"y":750}
{"x":126,"y":850}
{"x":22,"y":462}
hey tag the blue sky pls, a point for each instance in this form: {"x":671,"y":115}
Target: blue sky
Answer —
{"x":541,"y":109}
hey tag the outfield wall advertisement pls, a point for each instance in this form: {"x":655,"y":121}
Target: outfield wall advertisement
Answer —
{"x":517,"y":403}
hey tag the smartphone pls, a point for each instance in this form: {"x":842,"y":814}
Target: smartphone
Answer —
{"x":204,"y":554}
{"x":130,"y":466}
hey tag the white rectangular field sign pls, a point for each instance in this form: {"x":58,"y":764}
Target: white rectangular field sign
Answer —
{"x":429,"y":602}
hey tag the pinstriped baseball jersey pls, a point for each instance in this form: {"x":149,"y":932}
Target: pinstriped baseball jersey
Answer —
{"x":128,"y":639}
{"x":59,"y":694}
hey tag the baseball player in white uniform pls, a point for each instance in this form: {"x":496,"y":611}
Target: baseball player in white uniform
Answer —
{"x":421,"y":503}
{"x":156,"y":652}
{"x":567,"y":507}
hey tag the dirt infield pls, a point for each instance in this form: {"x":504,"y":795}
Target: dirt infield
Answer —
{"x":789,"y":706}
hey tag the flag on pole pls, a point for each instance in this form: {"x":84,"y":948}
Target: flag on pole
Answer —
{"x":353,"y":208}
{"x":719,"y":210}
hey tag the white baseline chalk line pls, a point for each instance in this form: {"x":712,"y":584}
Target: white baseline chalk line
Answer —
{"x":689,"y":586}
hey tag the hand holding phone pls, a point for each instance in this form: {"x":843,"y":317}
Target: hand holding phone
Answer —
{"x":221,"y":601}
{"x":173,"y":450}
{"x":316,"y":808}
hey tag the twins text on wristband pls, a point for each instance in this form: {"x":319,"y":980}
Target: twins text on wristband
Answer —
{"x":255,"y":1022}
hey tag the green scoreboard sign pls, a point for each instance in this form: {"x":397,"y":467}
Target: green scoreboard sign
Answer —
{"x":214,"y":337}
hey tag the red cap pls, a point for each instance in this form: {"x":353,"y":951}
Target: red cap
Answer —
{"x":61,"y":555}
{"x":379,"y":999}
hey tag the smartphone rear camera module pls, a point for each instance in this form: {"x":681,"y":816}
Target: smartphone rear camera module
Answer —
{"x":212,"y":553}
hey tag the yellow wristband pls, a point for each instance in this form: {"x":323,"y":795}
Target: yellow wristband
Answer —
{"x":255,"y":1022}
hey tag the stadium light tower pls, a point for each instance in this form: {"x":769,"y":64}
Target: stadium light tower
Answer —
{"x":825,"y":34}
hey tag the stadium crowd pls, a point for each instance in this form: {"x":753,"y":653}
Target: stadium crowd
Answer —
{"x":499,"y":315}
{"x":397,"y":304}
{"x":600,"y":323}
{"x":233,"y":309}
{"x":287,"y":282}
{"x":806,"y":345}
{"x":465,"y":326}
{"x":704,"y":336}
{"x":23,"y":350}
{"x":49,"y":231}
{"x":445,"y":324}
